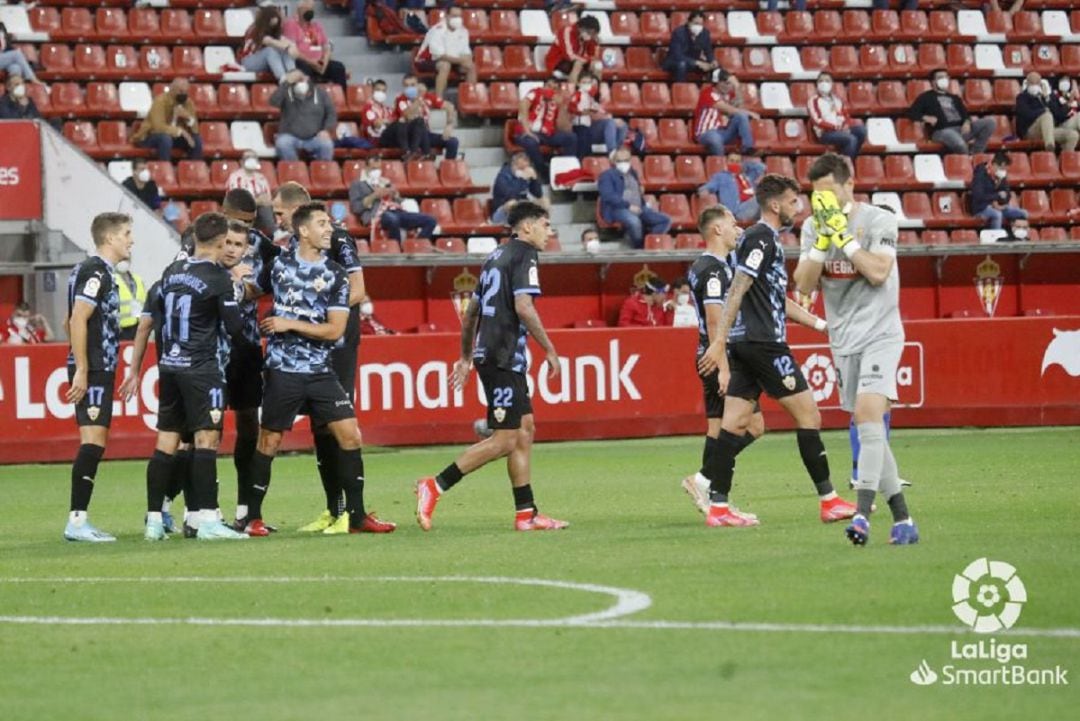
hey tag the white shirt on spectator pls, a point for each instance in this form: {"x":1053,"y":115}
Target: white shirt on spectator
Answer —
{"x":442,"y":41}
{"x":826,"y":113}
{"x":256,"y":183}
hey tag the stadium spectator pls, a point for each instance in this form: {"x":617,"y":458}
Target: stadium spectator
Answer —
{"x":576,"y":49}
{"x":690,"y":49}
{"x":537,"y":124}
{"x":377,"y":122}
{"x":1065,"y":101}
{"x":621,"y":201}
{"x":171,"y":123}
{"x":16,"y":104}
{"x":445,"y":48}
{"x":720,"y":117}
{"x":142,"y":186}
{"x":308,"y":119}
{"x":679,"y":307}
{"x":995,"y":6}
{"x":591,"y":122}
{"x":313,"y":47}
{"x":249,"y":177}
{"x":12,"y":60}
{"x":947,"y":120}
{"x":131,"y":291}
{"x":413,"y":108}
{"x":831,"y":123}
{"x":990,"y":195}
{"x":265,"y":49}
{"x":734,"y":186}
{"x":516,"y":181}
{"x":369,"y":324}
{"x":773,"y":5}
{"x":1035,"y":119}
{"x":25,"y":326}
{"x":644,"y":308}
{"x":376,"y":202}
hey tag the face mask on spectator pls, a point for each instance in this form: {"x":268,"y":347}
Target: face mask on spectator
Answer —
{"x":585,"y":88}
{"x":181,"y":98}
{"x":411,"y":92}
{"x":144,"y":176}
{"x":1035,"y":90}
{"x":623,"y":166}
{"x":519,"y":173}
{"x":1064,"y":85}
{"x":1000,"y":173}
{"x":682,"y":299}
{"x":454,"y":23}
{"x":379,"y":96}
{"x":1020,"y":233}
{"x":696,"y":28}
{"x":251,"y":163}
{"x":301,"y":87}
{"x":825,"y":87}
{"x":20,"y":321}
{"x":367,"y":308}
{"x":308,"y":16}
{"x":942,"y":84}
{"x":19,"y":91}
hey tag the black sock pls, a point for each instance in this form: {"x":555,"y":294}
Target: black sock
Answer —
{"x":158,"y":474}
{"x":326,"y":458}
{"x":179,"y":479}
{"x":708,"y":457}
{"x":523,"y":498}
{"x":449,"y":477}
{"x":350,"y":465}
{"x":722,"y":469}
{"x":813,"y":455}
{"x":864,"y":501}
{"x":745,"y":440}
{"x":242,"y":452}
{"x":260,"y":483}
{"x":204,"y":477}
{"x":83,"y":472}
{"x":898,"y":506}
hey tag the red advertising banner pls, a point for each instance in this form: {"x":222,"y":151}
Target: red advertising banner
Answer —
{"x":20,"y":171}
{"x":615,"y":383}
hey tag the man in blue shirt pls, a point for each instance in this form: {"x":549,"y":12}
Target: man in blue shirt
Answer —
{"x":516,"y":181}
{"x":622,"y":201}
{"x":691,"y":49}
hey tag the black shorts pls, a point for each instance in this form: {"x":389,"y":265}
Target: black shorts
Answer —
{"x":507,"y":396}
{"x":191,"y":401}
{"x":714,"y":400}
{"x":769,"y":367}
{"x":243,"y":377}
{"x":343,"y":364}
{"x":95,"y":408}
{"x":320,"y":395}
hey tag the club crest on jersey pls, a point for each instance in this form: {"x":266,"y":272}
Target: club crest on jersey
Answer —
{"x":319,"y":284}
{"x":534,"y":276}
{"x":90,"y":290}
{"x":789,"y":382}
{"x":215,"y":415}
{"x":93,"y":412}
{"x":500,"y":415}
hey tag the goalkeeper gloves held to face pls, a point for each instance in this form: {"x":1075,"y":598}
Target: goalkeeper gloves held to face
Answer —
{"x":832,"y":226}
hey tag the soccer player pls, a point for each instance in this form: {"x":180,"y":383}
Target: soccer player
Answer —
{"x":755,"y":315}
{"x":93,"y":325}
{"x":343,"y":355}
{"x":851,"y":248}
{"x":197,"y":299}
{"x":311,"y":312}
{"x":710,"y":279}
{"x":497,"y":320}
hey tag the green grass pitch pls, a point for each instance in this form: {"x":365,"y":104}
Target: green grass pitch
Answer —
{"x":386,"y":640}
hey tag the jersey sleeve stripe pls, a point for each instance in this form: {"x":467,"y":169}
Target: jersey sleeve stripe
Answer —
{"x":712,"y":301}
{"x":527,"y":291}
{"x":339,"y":307}
{"x":88,"y":301}
{"x":750,"y":272}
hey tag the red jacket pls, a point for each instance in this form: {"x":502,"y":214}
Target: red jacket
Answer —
{"x":636,"y":312}
{"x":568,"y":46}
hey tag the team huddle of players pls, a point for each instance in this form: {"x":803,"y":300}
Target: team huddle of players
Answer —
{"x":208,"y":338}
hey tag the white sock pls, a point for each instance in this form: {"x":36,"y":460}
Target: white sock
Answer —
{"x":191,"y":518}
{"x":241,"y":512}
{"x":77,"y":518}
{"x":166,"y":505}
{"x":208,"y":515}
{"x":154,"y":516}
{"x":700,"y":479}
{"x":828,"y":496}
{"x":716,"y":504}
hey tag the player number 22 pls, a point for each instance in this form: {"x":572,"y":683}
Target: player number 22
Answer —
{"x":490,"y":281}
{"x":504,"y":397}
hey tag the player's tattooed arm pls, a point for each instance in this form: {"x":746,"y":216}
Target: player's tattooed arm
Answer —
{"x":138,"y":352}
{"x":526,"y":310}
{"x":463,"y":365}
{"x":357,"y":288}
{"x":715,"y":356}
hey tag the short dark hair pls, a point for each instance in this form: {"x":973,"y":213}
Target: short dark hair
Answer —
{"x":694,"y":14}
{"x":523,"y":211}
{"x":830,"y":164}
{"x":209,"y":227}
{"x":378,"y":81}
{"x":105,"y":223}
{"x":1001,"y":158}
{"x":138,"y":161}
{"x":588,"y":230}
{"x":589,"y":23}
{"x":240,"y":200}
{"x":235,"y":226}
{"x":824,"y":74}
{"x":773,"y":185}
{"x":410,"y":75}
{"x":305,"y":212}
{"x":585,"y":74}
{"x":293,"y":193}
{"x":708,"y":215}
{"x":935,"y":71}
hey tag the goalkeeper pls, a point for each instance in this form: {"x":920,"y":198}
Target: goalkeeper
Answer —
{"x":850,"y":247}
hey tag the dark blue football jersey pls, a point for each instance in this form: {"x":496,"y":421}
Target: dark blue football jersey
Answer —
{"x":91,"y":281}
{"x":510,"y":270}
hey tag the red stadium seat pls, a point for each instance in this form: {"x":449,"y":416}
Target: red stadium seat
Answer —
{"x":909,"y":131}
{"x":1017,"y":56}
{"x":828,"y":24}
{"x":357,"y":96}
{"x":67,"y":98}
{"x":454,"y":174}
{"x":111,"y":24}
{"x":487,"y":59}
{"x":778,"y":164}
{"x":113,"y":138}
{"x":978,"y":93}
{"x":76,"y":23}
{"x":413,"y":246}
{"x":730,"y":59}
{"x":1070,"y":165}
{"x":90,"y":60}
{"x":82,"y":134}
{"x":439,"y":208}
{"x":961,"y":237}
{"x":473,"y":99}
{"x":931,"y":56}
{"x":898,"y":169}
{"x":648,"y":130}
{"x":1044,"y":166}
{"x":960,"y":59}
{"x":199,"y":207}
{"x":914,"y":24}
{"x":121,"y":60}
{"x":862,"y":97}
{"x":422,"y":177}
{"x":884,"y":25}
{"x":684,"y":97}
{"x":660,"y":242}
{"x":209,"y":25}
{"x":504,"y":23}
{"x":891,"y":96}
{"x":470,"y":212}
{"x":948,"y":206}
{"x":144,"y":25}
{"x":677,"y":207}
{"x":998,"y":22}
{"x":624,"y":23}
{"x":908,"y":237}
{"x":56,"y":58}
{"x":102,"y":99}
{"x":394,"y":172}
{"x":155,"y":60}
{"x":293,"y":171}
{"x":641,"y":61}
{"x":690,"y":170}
{"x":625,"y":99}
{"x":205,"y":98}
{"x":1036,"y":203}
{"x":1062,"y":201}
{"x":518,"y":60}
{"x":1046,"y":59}
{"x":44,"y":20}
{"x":659,"y":172}
{"x":188,"y":60}
{"x":958,"y":167}
{"x":352,"y":169}
{"x":1019,"y":167}
{"x":758,"y":60}
{"x":798,"y":25}
{"x":935,"y":237}
{"x":769,"y":23}
{"x":164,"y":175}
{"x":654,"y":96}
{"x":504,"y":97}
{"x":216,"y":139}
{"x":870,"y":169}
{"x":260,"y":99}
{"x":1070,"y":58}
{"x":943,"y":24}
{"x":802,"y":169}
{"x":1005,"y":91}
{"x":689,"y":241}
{"x":233,"y":98}
{"x":194,"y":177}
{"x":654,"y":27}
{"x":595,"y":165}
{"x":326,"y":178}
{"x":843,"y":60}
{"x":917,"y":206}
{"x":673,"y":135}
{"x":1047,"y":235}
{"x":450,"y":245}
{"x":856,"y":25}
{"x":176,"y":25}
{"x":814,"y":58}
{"x":716,"y":24}
{"x":384,"y":246}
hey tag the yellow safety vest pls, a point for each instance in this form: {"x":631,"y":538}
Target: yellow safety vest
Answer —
{"x":130,"y":306}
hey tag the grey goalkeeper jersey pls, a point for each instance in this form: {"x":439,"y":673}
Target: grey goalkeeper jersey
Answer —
{"x":858,"y":312}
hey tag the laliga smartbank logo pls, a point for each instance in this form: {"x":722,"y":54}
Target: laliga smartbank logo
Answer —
{"x":988,"y":596}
